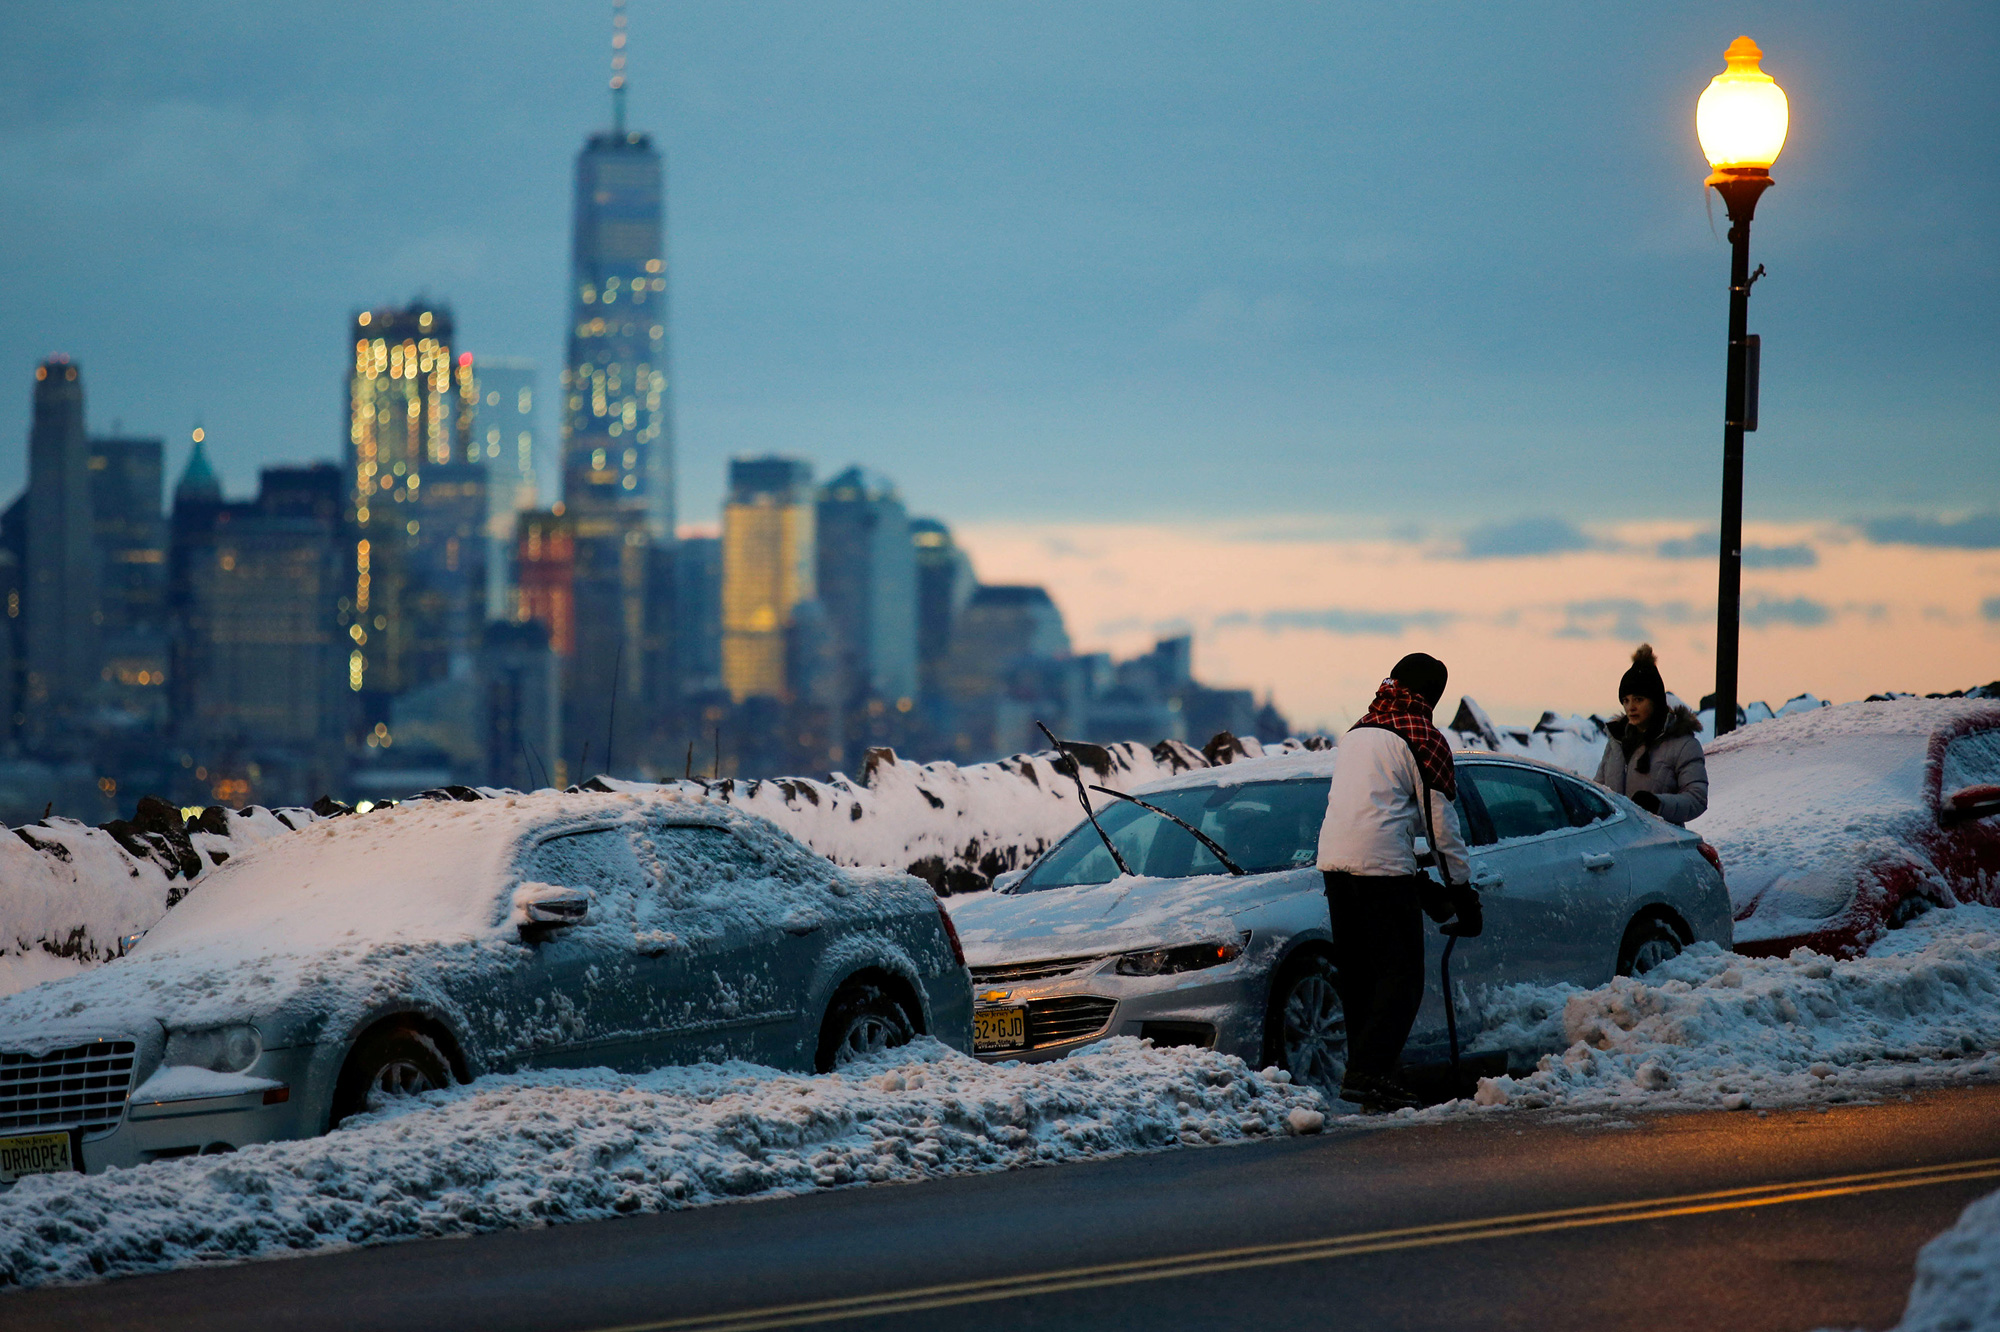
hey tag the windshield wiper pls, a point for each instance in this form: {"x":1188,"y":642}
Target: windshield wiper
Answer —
{"x":1076,"y":775}
{"x":1214,"y":846}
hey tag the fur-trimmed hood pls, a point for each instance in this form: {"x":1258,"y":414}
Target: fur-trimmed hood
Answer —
{"x":1680,"y":721}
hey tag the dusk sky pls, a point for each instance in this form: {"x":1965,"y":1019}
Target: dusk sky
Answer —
{"x":1397,"y":311}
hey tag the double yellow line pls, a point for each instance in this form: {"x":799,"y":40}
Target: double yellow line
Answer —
{"x":919,"y":1298}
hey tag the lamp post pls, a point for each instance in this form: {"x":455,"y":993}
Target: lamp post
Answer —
{"x":1741,"y":120}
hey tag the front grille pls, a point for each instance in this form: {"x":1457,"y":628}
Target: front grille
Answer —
{"x":1026,"y":971}
{"x":1053,"y":1021}
{"x":83,"y":1087}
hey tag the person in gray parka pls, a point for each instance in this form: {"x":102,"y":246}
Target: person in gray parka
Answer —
{"x":1654,"y":754}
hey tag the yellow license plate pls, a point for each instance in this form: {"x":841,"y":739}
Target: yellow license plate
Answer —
{"x":999,"y":1028}
{"x":34,"y":1154}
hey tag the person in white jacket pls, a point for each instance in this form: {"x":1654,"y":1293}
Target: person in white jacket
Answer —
{"x":1376,"y":894}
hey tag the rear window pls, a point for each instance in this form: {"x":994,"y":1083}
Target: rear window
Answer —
{"x":1264,"y":826}
{"x":1972,"y":760}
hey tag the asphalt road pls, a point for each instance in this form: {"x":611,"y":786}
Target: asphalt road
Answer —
{"x":1525,"y":1220}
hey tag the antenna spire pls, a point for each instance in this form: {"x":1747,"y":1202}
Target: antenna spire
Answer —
{"x":618,"y":66}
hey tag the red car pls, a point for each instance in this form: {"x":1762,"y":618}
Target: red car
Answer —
{"x":1838,"y":824}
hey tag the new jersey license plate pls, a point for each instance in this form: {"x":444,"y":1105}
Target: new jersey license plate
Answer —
{"x":999,"y":1028}
{"x":35,"y":1154}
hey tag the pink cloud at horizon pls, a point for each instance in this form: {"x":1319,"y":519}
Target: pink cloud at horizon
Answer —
{"x":1316,"y":619}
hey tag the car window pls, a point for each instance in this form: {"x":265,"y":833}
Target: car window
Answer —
{"x":1264,"y":826}
{"x":1520,"y":802}
{"x":1473,"y":824}
{"x":1585,"y":805}
{"x":690,"y":863}
{"x":1972,"y":760}
{"x":602,"y":861}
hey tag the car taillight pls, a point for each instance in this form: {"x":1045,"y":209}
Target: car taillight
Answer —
{"x":951,"y":933}
{"x":1711,"y":855}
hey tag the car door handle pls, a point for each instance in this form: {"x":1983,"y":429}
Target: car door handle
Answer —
{"x":1598,"y":860}
{"x":801,"y":931}
{"x":1488,"y":879}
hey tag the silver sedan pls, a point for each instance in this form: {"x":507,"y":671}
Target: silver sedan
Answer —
{"x":1578,"y":884}
{"x":405,"y":949}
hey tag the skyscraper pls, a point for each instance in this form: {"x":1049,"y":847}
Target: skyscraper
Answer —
{"x":945,"y":583}
{"x":768,"y":567}
{"x":410,"y":410}
{"x":617,"y":436}
{"x":61,"y":566}
{"x":867,"y":583}
{"x":503,"y":435}
{"x":131,"y":538}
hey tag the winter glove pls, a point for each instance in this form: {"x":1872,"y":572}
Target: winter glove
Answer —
{"x":1647,"y":801}
{"x":1433,"y":897}
{"x":1470,"y":916}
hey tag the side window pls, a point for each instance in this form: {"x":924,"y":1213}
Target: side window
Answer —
{"x":1519,"y":801}
{"x":602,"y":861}
{"x":690,"y":864}
{"x":1473,"y":825}
{"x":1972,"y":760}
{"x":1585,"y":805}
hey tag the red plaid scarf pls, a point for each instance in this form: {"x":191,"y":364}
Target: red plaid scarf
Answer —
{"x":1408,"y":714}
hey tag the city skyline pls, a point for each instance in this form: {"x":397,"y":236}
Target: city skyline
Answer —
{"x":997,"y":302}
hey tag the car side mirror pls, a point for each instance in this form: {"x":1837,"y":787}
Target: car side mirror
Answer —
{"x":541,"y":907}
{"x":1970,"y":802}
{"x":1005,"y":882}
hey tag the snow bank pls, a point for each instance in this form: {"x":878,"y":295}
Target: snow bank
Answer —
{"x":68,"y":891}
{"x":1712,"y":1029}
{"x":1958,"y":1275}
{"x":535,"y":1149}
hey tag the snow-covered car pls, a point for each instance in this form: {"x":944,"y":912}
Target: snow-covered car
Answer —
{"x":1839,"y":823}
{"x":397,"y":951}
{"x":1578,"y":884}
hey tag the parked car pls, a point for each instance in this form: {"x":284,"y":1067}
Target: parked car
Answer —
{"x":1578,"y":884}
{"x":405,"y":949}
{"x":1837,"y":824}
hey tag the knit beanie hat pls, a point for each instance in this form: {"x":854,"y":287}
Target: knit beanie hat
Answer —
{"x":1643,"y":678}
{"x":1423,"y":674}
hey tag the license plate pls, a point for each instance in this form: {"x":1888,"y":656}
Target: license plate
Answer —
{"x":35,"y":1154}
{"x":999,"y":1028}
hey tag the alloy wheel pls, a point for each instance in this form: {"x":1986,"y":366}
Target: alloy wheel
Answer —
{"x":400,"y":1077}
{"x":1652,"y":953}
{"x":868,"y":1034}
{"x":1315,"y":1039}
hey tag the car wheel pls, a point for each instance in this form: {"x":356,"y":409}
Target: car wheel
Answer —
{"x":389,"y":1062}
{"x":1647,"y":944}
{"x":1305,"y":1028}
{"x":862,"y":1020}
{"x":1908,"y":909}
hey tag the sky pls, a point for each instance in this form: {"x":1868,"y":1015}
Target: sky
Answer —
{"x":1405,"y":279}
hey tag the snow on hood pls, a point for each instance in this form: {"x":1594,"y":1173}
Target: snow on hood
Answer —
{"x":1126,"y":913}
{"x":1798,"y":806}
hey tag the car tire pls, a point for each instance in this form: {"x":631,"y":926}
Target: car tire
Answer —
{"x":388,"y":1062}
{"x":1647,"y":944}
{"x":864,"y":1019}
{"x":1305,"y":1025}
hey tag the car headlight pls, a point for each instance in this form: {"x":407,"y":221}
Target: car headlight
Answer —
{"x":219,"y":1049}
{"x":1184,"y":957}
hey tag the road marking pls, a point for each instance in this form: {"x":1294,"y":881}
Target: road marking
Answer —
{"x":1171,"y":1267}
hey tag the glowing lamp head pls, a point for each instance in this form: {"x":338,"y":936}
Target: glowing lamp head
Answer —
{"x":1742,"y":116}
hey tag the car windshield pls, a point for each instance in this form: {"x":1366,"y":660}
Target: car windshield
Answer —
{"x":1264,"y":826}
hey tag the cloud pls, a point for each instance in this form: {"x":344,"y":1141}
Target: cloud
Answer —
{"x":1801,"y":612}
{"x":1990,"y":608}
{"x":1702,"y":545}
{"x":1527,"y":536}
{"x":1621,"y":617}
{"x":1338,"y":620}
{"x":1978,"y":531}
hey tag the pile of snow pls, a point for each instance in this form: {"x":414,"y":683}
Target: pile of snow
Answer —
{"x":1712,"y":1029}
{"x":69,"y":892}
{"x":1958,"y":1275}
{"x":539,"y":1148}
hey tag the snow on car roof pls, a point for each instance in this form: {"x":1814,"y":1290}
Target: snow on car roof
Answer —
{"x":1305,"y":763}
{"x":1893,"y":717}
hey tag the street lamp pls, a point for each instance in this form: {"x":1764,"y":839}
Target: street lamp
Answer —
{"x":1741,"y":120}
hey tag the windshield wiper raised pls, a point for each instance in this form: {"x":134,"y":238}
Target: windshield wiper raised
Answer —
{"x":1076,"y":775}
{"x":1214,"y":846}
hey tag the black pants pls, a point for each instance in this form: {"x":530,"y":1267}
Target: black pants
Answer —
{"x":1378,"y":949}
